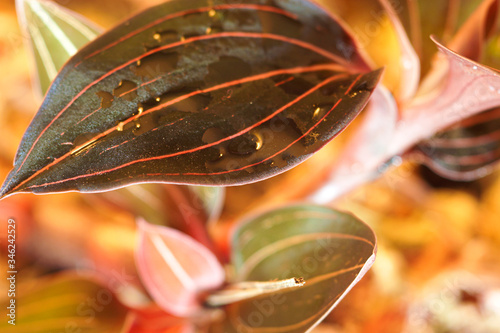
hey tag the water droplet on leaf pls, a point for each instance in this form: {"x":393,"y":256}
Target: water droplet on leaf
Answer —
{"x":245,"y":144}
{"x":212,"y":134}
{"x":106,"y":99}
{"x":156,"y":65}
{"x":227,"y":68}
{"x":126,"y":90}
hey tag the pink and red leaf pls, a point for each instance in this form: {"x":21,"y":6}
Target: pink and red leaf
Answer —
{"x":175,"y":269}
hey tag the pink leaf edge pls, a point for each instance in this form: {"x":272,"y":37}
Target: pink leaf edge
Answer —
{"x":175,"y":269}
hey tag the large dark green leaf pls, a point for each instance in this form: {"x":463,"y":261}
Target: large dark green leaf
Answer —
{"x":56,"y":33}
{"x":330,"y":250}
{"x":467,"y":150}
{"x":199,"y":92}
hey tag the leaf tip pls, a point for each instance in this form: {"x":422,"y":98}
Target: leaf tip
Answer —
{"x":7,"y":189}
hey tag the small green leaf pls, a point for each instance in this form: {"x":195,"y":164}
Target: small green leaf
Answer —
{"x":55,"y":34}
{"x":64,"y":303}
{"x":330,"y":250}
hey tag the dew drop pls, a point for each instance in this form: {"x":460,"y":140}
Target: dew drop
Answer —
{"x":227,"y":68}
{"x":126,"y":90}
{"x":215,"y":158}
{"x":106,"y":99}
{"x":208,"y":30}
{"x":156,"y":64}
{"x":316,"y":112}
{"x":259,"y":142}
{"x":119,"y":128}
{"x":245,"y":144}
{"x":280,"y":162}
{"x":166,"y":36}
{"x":83,"y":143}
{"x":158,"y":99}
{"x":140,"y":109}
{"x":321,"y":110}
{"x":212,"y":12}
{"x":212,"y":134}
{"x":215,"y":28}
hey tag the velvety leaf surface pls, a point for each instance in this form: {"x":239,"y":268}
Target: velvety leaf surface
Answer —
{"x":55,"y":34}
{"x":176,"y":269}
{"x":188,"y":92}
{"x":65,"y":303}
{"x":466,"y":151}
{"x":330,"y":250}
{"x":189,"y":208}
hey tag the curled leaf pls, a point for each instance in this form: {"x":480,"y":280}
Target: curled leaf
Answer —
{"x":55,"y":34}
{"x":331,"y":251}
{"x":175,"y":268}
{"x":468,"y":150}
{"x":468,"y":88}
{"x":198,"y":92}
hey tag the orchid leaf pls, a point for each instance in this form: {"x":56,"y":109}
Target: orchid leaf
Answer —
{"x":198,"y":92}
{"x":147,"y":201}
{"x":470,"y":148}
{"x":55,"y":34}
{"x":65,"y":303}
{"x":468,"y":89}
{"x":466,"y":151}
{"x":330,"y":250}
{"x":176,"y":269}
